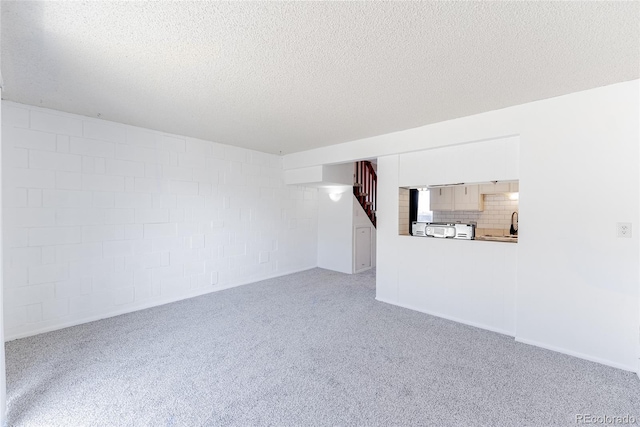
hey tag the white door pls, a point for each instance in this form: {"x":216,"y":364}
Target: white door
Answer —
{"x":363,"y":248}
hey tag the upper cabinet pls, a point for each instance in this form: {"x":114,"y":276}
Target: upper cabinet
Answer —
{"x":441,"y":199}
{"x":467,"y":198}
{"x":494,"y":187}
{"x":456,"y":198}
{"x":500,"y":187}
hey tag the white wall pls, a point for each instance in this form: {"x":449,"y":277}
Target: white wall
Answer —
{"x":312,"y":175}
{"x":577,"y":284}
{"x":321,"y":176}
{"x":103,"y":218}
{"x":335,"y":230}
{"x":387,"y":229}
{"x":361,"y":219}
{"x":337,"y":221}
{"x":3,"y":377}
{"x":339,"y":174}
{"x":495,"y":159}
{"x":472,"y":282}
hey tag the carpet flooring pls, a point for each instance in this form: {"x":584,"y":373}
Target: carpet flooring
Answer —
{"x":308,"y":349}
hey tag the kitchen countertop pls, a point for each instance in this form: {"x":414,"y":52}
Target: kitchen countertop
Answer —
{"x":485,"y":238}
{"x":492,"y":238}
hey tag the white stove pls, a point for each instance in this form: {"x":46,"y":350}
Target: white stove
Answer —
{"x":443,"y":230}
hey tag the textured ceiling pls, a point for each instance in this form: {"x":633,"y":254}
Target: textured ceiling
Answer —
{"x":282,"y":77}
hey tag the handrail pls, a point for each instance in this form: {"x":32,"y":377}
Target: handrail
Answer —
{"x":365,"y":188}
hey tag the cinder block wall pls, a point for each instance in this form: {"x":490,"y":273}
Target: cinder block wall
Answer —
{"x":102,"y":218}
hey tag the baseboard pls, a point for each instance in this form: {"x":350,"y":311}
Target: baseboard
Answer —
{"x":577,"y":354}
{"x":454,"y":319}
{"x":523,"y":340}
{"x":138,"y":307}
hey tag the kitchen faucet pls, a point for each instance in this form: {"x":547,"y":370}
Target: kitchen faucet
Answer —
{"x":514,"y":225}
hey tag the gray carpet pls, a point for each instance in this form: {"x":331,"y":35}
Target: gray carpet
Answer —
{"x":312,"y":348}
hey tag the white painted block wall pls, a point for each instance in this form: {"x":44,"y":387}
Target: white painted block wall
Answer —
{"x":102,"y":218}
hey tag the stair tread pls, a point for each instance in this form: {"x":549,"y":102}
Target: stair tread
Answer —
{"x":366,"y":200}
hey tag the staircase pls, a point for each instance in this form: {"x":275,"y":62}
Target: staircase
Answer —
{"x":365,"y":186}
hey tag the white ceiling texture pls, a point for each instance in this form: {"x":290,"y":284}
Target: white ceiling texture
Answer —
{"x":282,"y":77}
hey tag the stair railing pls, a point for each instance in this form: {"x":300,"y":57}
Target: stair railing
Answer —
{"x":365,"y":188}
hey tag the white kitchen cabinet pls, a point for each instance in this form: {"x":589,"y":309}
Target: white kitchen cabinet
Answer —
{"x":494,"y":188}
{"x":467,"y":198}
{"x":499,"y":187}
{"x":441,"y":199}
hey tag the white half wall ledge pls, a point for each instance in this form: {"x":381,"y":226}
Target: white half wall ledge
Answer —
{"x":303,"y":176}
{"x":320,"y":176}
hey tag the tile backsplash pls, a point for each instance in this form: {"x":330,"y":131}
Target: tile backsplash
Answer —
{"x":496,"y":217}
{"x":403,"y":211}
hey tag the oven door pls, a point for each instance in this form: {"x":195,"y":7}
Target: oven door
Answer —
{"x":441,"y":231}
